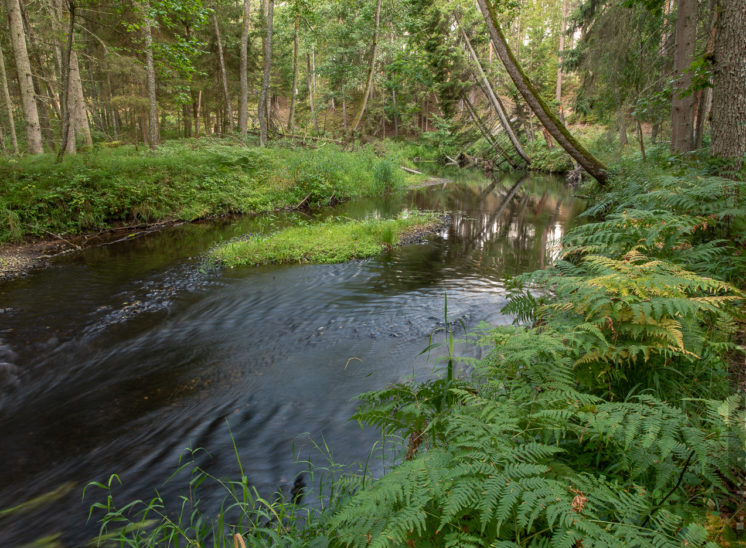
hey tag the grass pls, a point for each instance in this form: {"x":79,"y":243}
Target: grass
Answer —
{"x":182,"y":180}
{"x":328,"y":242}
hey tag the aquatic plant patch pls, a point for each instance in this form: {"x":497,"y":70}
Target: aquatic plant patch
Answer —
{"x":333,"y":241}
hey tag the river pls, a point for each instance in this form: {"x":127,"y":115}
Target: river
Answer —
{"x":117,"y":358}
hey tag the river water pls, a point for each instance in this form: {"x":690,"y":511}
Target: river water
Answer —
{"x":117,"y":359}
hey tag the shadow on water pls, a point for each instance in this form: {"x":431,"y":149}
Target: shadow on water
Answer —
{"x":117,"y":359}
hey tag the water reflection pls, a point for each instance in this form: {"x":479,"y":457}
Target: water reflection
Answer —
{"x":117,"y":359}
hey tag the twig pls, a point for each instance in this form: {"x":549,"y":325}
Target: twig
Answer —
{"x":68,"y":242}
{"x":671,"y":492}
{"x":413,"y":171}
{"x":302,"y":202}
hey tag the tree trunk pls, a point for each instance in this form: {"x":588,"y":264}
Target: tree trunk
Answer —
{"x":263,"y":114}
{"x":150,"y":69}
{"x":728,"y":128}
{"x":8,"y":104}
{"x":344,"y":109}
{"x":494,"y":100}
{"x":485,"y":132}
{"x":294,"y":89}
{"x":395,"y":114}
{"x":682,"y":108}
{"x":311,"y":90}
{"x":223,"y":75}
{"x":558,"y":88}
{"x":25,"y":81}
{"x":80,"y":111}
{"x":39,"y":82}
{"x":244,"y":103}
{"x":640,"y":139}
{"x":68,"y":129}
{"x":703,"y":112}
{"x":371,"y":71}
{"x":621,"y":126}
{"x":556,"y":128}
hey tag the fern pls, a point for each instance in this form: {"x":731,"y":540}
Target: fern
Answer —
{"x":594,"y":423}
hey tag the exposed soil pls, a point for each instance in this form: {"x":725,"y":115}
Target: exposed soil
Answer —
{"x":418,"y":234}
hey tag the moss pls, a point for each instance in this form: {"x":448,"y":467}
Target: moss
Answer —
{"x":327,"y":242}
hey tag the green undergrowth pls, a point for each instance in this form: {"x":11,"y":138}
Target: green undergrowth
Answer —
{"x":332,"y":241}
{"x":605,"y":416}
{"x":182,"y":180}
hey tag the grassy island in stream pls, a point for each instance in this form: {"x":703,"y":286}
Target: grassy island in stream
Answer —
{"x":327,"y":242}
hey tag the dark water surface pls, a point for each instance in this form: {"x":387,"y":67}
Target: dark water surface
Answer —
{"x":117,"y":359}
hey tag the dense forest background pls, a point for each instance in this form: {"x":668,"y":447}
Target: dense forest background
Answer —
{"x":78,"y":73}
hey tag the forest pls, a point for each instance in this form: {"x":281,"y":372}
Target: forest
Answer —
{"x":563,"y":181}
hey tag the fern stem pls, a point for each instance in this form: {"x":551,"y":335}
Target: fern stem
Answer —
{"x":671,"y":492}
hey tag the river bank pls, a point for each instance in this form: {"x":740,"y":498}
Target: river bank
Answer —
{"x":49,"y":208}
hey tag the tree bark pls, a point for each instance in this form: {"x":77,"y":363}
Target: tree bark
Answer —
{"x":294,"y":90}
{"x":311,"y":89}
{"x":25,"y":81}
{"x":39,"y":82}
{"x":197,"y":114}
{"x":729,"y":90}
{"x":223,"y":75}
{"x":682,"y":108}
{"x":68,"y":129}
{"x":556,"y":128}
{"x":244,"y":103}
{"x":371,"y":71}
{"x":80,"y":111}
{"x":263,"y":114}
{"x":621,"y":126}
{"x":8,"y":104}
{"x":494,"y":100}
{"x":558,"y":88}
{"x":704,"y":96}
{"x":485,"y":132}
{"x":150,"y":69}
{"x":395,"y":113}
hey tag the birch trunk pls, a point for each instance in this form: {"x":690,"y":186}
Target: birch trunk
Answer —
{"x":8,"y":104}
{"x":244,"y":103}
{"x":371,"y":71}
{"x":223,"y":75}
{"x":25,"y":81}
{"x":556,"y":128}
